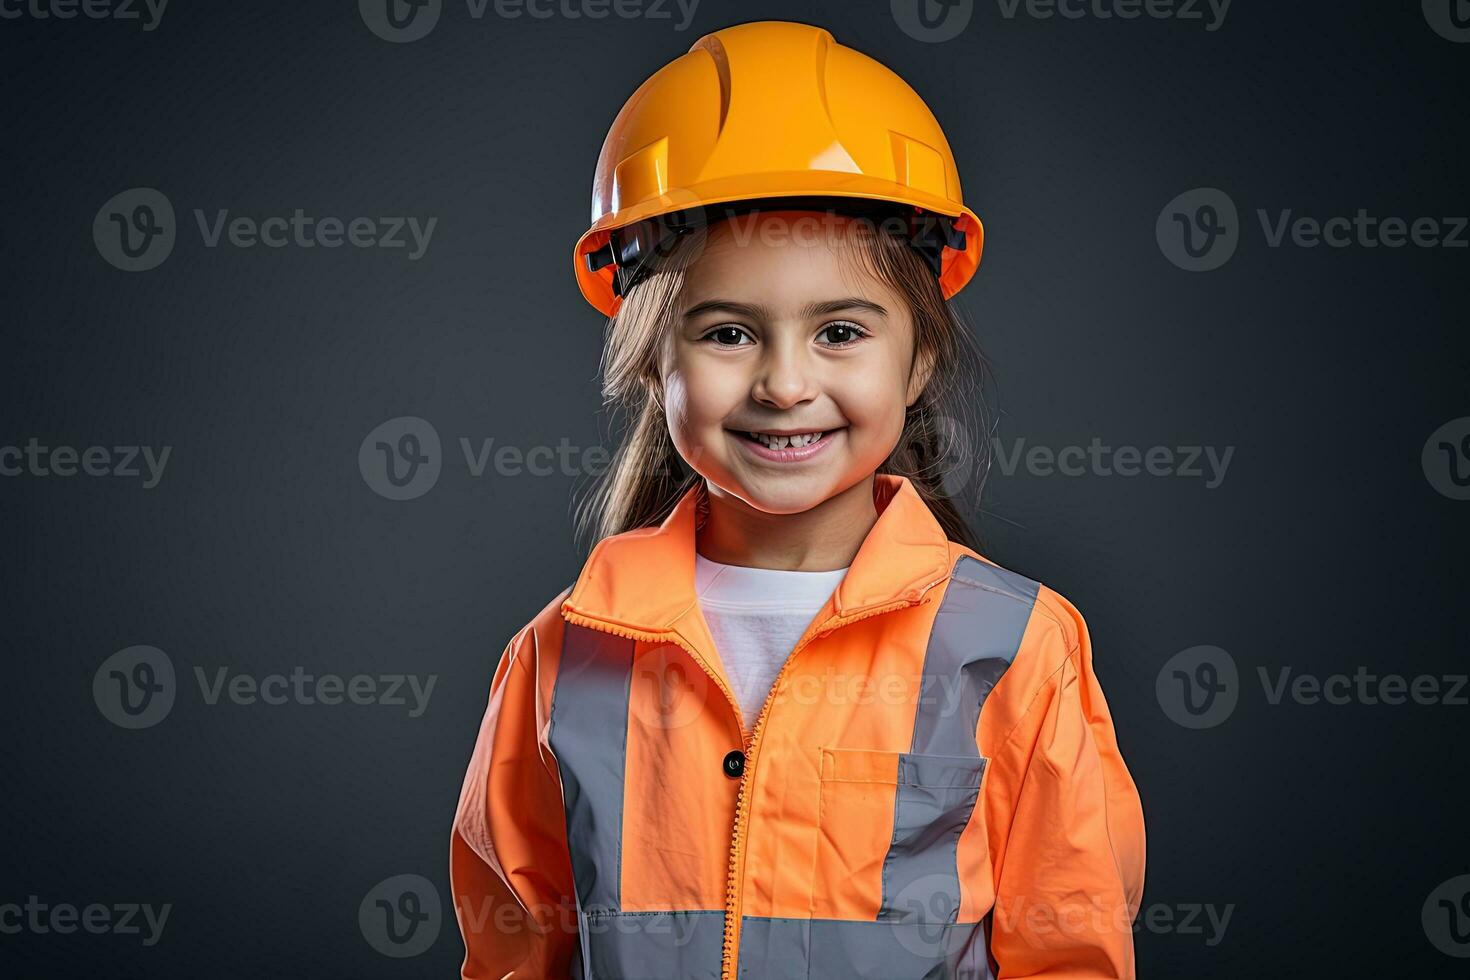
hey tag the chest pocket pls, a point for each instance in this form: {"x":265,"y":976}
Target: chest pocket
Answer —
{"x":888,"y":827}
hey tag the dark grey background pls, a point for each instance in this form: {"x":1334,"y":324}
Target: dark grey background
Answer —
{"x":1323,"y":828}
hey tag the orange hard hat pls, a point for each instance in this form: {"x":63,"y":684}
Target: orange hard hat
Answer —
{"x":764,"y":115}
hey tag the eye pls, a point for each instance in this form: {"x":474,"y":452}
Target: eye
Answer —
{"x":728,"y":335}
{"x":849,"y":333}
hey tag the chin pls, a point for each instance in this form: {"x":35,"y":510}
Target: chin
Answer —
{"x":777,"y":494}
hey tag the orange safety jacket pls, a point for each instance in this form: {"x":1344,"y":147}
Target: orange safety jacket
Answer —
{"x":932,"y":788}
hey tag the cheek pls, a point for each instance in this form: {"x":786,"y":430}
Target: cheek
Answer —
{"x":873,"y":404}
{"x":692,"y":409}
{"x":708,"y":395}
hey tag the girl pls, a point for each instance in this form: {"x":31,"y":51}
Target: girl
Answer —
{"x":788,"y":722}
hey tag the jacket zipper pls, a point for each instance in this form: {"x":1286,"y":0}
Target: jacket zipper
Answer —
{"x":736,"y":867}
{"x":736,"y":870}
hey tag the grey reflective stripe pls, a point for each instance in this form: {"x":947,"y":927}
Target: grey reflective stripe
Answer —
{"x":976,"y":633}
{"x":932,"y":803}
{"x":639,"y":945}
{"x":841,"y":949}
{"x":688,"y":945}
{"x":589,"y":735}
{"x":774,"y":949}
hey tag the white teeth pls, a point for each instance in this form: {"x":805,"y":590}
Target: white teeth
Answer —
{"x":784,"y":442}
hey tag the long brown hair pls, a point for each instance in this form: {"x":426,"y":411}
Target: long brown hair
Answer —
{"x":943,"y":449}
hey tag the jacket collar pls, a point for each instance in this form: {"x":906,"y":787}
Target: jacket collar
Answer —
{"x":644,"y":579}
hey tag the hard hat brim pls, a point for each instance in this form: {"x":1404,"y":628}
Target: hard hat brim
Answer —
{"x":958,"y":267}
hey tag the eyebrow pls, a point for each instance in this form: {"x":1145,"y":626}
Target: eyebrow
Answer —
{"x":757,"y":312}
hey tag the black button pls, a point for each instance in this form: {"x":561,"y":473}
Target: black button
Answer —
{"x":735,"y":764}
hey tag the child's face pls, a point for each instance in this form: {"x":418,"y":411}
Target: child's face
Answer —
{"x":778,"y":329}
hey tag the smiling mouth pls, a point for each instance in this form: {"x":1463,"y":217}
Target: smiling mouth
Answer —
{"x":795,"y":441}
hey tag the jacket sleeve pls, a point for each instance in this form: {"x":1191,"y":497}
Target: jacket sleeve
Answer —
{"x":510,"y":873}
{"x":1070,"y":865}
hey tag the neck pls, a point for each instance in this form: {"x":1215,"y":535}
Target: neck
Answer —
{"x":824,"y":538}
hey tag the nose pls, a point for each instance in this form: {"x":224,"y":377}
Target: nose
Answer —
{"x":785,"y":376}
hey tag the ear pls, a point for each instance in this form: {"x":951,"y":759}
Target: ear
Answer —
{"x":919,"y":376}
{"x":654,"y":386}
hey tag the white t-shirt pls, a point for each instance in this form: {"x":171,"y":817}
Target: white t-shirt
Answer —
{"x":756,"y":615}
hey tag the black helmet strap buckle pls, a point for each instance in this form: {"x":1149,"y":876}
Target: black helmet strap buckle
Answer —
{"x":631,"y":249}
